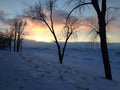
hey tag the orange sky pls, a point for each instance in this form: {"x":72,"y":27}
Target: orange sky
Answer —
{"x":39,"y":32}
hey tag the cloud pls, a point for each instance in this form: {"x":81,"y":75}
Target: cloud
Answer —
{"x":58,"y":19}
{"x":4,"y":17}
{"x":60,"y":16}
{"x":83,"y":23}
{"x":38,"y":31}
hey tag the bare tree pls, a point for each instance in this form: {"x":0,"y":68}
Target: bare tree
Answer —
{"x":13,"y":27}
{"x":21,"y":26}
{"x":101,"y":13}
{"x":17,"y":27}
{"x":103,"y":20}
{"x":9,"y":37}
{"x":38,"y":13}
{"x":6,"y":40}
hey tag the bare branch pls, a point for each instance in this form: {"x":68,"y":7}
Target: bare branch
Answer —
{"x":110,"y":14}
{"x":36,"y":12}
{"x":76,"y":7}
{"x":51,"y":4}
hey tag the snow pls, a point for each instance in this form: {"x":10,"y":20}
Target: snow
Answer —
{"x":38,"y":68}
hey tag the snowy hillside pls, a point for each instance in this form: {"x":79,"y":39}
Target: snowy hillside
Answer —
{"x":37,"y":68}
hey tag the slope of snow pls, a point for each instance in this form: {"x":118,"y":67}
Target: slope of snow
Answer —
{"x":37,"y":68}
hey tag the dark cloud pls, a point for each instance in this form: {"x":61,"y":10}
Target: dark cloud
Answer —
{"x":3,"y":17}
{"x":2,"y":12}
{"x":60,"y":16}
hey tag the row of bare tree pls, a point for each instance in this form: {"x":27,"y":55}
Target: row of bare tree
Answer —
{"x":5,"y":41}
{"x":13,"y":37}
{"x":17,"y":28}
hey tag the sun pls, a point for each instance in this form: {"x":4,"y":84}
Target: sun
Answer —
{"x":40,"y":39}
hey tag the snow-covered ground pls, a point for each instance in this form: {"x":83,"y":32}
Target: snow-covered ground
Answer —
{"x":38,"y":68}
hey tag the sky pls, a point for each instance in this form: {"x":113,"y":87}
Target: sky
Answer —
{"x":10,"y":9}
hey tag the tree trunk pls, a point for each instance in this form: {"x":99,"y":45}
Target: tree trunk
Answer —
{"x":20,"y":45}
{"x":105,"y":57}
{"x":104,"y":48}
{"x":59,"y":54}
{"x":60,"y":59}
{"x":101,"y":13}
{"x":15,"y":40}
{"x":18,"y":42}
{"x":10,"y":43}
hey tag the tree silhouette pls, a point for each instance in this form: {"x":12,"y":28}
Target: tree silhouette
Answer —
{"x":101,"y":10}
{"x":17,"y":27}
{"x":102,"y":33}
{"x":38,"y":12}
{"x":5,"y":40}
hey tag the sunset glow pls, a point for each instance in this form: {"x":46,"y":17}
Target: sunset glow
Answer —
{"x":38,"y":39}
{"x":39,"y":32}
{"x":35,"y":31}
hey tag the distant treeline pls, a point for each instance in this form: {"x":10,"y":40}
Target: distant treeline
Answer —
{"x":11,"y":39}
{"x":5,"y":41}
